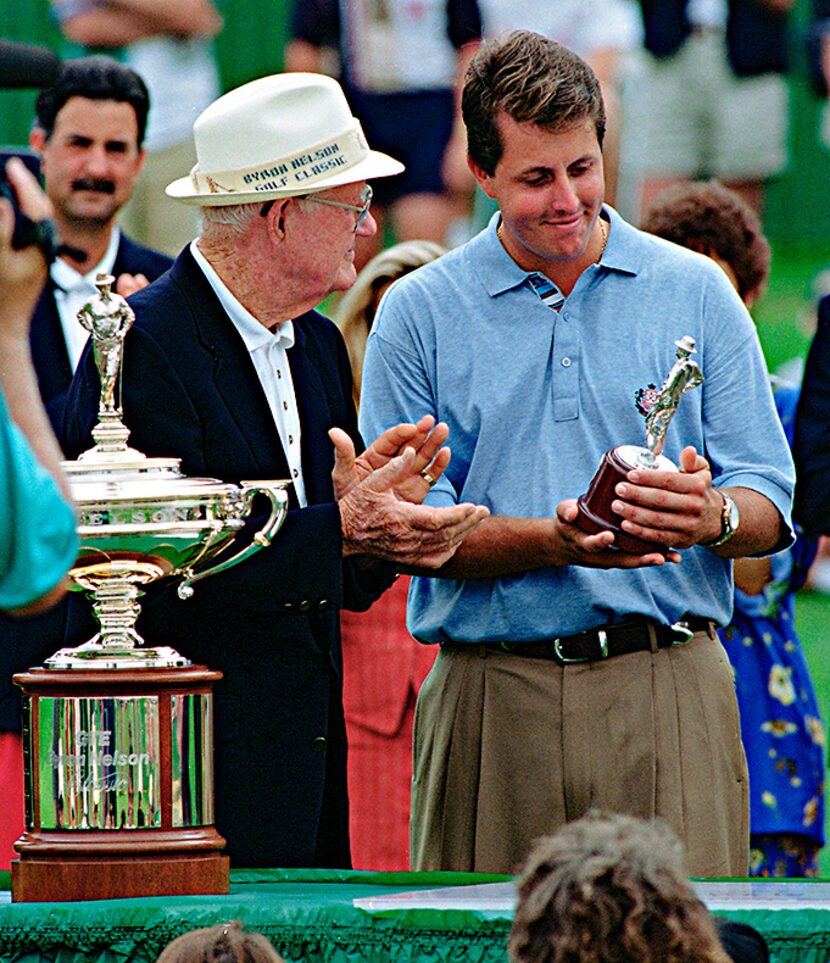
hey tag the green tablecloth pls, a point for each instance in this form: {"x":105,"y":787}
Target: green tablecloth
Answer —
{"x":309,"y":916}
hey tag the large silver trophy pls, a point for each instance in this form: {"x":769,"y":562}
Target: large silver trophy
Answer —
{"x":118,"y":735}
{"x":595,"y":512}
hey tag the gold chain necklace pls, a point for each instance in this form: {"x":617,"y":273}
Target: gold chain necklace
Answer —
{"x":603,"y":229}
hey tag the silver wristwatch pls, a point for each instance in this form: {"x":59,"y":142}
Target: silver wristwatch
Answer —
{"x":729,"y":521}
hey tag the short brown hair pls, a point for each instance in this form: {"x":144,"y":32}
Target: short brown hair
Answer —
{"x":610,"y":888}
{"x":710,"y":219}
{"x":531,"y":79}
{"x":223,"y":943}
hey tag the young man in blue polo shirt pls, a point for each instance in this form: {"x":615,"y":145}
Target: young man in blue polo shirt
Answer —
{"x":511,"y":739}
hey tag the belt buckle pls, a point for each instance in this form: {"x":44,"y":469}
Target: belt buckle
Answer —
{"x":602,"y":637}
{"x":682,"y":632}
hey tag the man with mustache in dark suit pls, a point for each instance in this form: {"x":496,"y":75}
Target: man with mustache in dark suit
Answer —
{"x":88,"y":133}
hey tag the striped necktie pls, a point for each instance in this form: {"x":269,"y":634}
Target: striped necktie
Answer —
{"x":547,"y":291}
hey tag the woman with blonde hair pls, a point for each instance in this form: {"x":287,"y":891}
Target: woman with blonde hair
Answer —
{"x":355,"y":312}
{"x":383,"y":666}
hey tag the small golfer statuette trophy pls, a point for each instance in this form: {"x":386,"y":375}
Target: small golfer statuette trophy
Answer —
{"x":595,"y":512}
{"x":118,"y":736}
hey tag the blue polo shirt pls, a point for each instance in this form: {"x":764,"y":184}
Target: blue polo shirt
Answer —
{"x":38,"y":540}
{"x":534,"y":397}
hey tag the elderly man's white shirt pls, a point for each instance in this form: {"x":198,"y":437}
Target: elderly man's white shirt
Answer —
{"x":268,"y":352}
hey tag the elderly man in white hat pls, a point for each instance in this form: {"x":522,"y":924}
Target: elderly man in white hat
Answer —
{"x":229,"y":368}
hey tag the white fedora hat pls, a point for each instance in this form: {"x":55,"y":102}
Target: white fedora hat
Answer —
{"x":278,"y":136}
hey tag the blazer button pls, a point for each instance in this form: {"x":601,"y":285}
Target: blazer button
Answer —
{"x":323,"y":604}
{"x":305,"y":605}
{"x":319,"y":744}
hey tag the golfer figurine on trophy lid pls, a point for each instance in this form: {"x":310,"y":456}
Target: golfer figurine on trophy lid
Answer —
{"x":595,"y":512}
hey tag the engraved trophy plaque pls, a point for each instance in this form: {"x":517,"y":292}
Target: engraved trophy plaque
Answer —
{"x":595,"y":512}
{"x":118,"y":736}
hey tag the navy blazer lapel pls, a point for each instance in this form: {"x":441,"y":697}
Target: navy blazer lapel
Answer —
{"x":234,"y":375}
{"x":317,"y":452}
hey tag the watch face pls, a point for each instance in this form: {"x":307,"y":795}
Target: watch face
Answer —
{"x":734,"y":517}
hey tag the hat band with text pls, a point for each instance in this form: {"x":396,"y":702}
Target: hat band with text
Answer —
{"x":296,"y":172}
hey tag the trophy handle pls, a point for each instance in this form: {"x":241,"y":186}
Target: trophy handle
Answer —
{"x":276,"y":494}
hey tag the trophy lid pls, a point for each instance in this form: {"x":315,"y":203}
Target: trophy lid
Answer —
{"x":140,"y":518}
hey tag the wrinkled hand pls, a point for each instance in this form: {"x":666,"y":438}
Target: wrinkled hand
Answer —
{"x":128,"y":284}
{"x":595,"y":551}
{"x":675,"y":509}
{"x":22,"y":273}
{"x":426,"y":440}
{"x":376,"y":521}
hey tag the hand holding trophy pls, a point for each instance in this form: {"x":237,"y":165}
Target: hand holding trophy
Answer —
{"x":595,"y":512}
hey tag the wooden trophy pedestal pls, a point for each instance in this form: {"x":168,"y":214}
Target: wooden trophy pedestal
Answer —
{"x":119,"y":785}
{"x":595,"y":512}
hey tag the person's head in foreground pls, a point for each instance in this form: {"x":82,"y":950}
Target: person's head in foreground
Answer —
{"x":610,"y":889}
{"x":711,"y":219}
{"x":223,"y":943}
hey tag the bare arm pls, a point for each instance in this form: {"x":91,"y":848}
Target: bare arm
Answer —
{"x":124,"y":21}
{"x":503,"y":545}
{"x":675,"y":510}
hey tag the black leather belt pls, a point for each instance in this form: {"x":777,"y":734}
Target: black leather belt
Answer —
{"x":604,"y":642}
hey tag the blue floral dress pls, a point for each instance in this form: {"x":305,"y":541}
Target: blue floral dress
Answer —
{"x":781,"y":728}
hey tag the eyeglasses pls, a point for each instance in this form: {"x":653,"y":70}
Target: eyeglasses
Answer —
{"x":362,"y":210}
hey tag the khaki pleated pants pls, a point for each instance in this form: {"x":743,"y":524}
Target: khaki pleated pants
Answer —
{"x":508,"y":748}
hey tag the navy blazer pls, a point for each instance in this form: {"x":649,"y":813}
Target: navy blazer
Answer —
{"x":27,"y":642}
{"x":811,"y":447}
{"x":270,"y":624}
{"x":49,"y":354}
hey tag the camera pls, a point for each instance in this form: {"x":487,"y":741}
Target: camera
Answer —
{"x":26,"y":231}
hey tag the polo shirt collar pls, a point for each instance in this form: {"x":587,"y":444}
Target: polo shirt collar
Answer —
{"x":254,"y":334}
{"x":499,"y":272}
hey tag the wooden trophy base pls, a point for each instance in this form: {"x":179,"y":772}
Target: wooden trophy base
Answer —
{"x":119,"y":785}
{"x":595,"y":512}
{"x":57,"y":867}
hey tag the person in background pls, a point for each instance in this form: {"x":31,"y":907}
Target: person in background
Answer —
{"x":222,"y":943}
{"x":781,"y":725}
{"x":88,"y":132}
{"x":400,"y":64}
{"x":570,"y":673}
{"x":229,"y":368}
{"x":383,"y":666}
{"x":170,"y":45}
{"x":37,"y":527}
{"x":710,"y":98}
